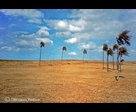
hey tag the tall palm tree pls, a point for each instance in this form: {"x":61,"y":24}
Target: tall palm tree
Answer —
{"x":41,"y":45}
{"x":122,"y":51}
{"x":63,"y":49}
{"x":123,"y":38}
{"x":109,"y":52}
{"x":105,"y":48}
{"x":84,"y":52}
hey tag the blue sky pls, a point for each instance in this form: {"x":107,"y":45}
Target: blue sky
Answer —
{"x":22,"y":30}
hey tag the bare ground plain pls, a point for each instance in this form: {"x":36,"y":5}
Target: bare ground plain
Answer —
{"x":71,"y":81}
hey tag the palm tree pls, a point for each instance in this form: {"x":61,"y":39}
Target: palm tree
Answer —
{"x":41,"y":45}
{"x":123,"y":38}
{"x":109,"y":52}
{"x":63,"y":49}
{"x":84,"y":52}
{"x":105,"y":48}
{"x":122,"y":51}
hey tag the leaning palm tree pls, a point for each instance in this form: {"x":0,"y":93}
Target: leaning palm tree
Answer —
{"x":84,"y":52}
{"x":123,"y":38}
{"x":109,"y":52}
{"x":122,"y":51}
{"x":105,"y":48}
{"x":63,"y":49}
{"x":41,"y":45}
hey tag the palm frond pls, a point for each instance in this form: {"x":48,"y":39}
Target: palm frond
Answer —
{"x":115,"y":46}
{"x":42,"y":44}
{"x":120,"y":41}
{"x":64,"y":48}
{"x":109,"y":51}
{"x":123,"y":37}
{"x":123,"y":51}
{"x":85,"y":51}
{"x":127,"y":42}
{"x":105,"y":47}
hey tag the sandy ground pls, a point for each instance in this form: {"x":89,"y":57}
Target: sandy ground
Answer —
{"x":71,"y":81}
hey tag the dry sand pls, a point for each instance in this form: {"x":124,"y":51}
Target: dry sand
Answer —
{"x":71,"y":81}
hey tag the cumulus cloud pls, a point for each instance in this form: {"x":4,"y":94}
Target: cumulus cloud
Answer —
{"x":61,"y":25}
{"x":6,"y":48}
{"x":43,"y":32}
{"x":72,"y":53}
{"x":33,"y":15}
{"x":88,"y":24}
{"x":89,"y":45}
{"x":63,"y":34}
{"x":9,"y":48}
{"x":65,"y":25}
{"x":71,"y":40}
{"x":32,"y":40}
{"x":35,"y":20}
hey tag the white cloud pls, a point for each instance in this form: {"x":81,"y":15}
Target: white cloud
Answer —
{"x":47,"y":41}
{"x":10,"y":48}
{"x":42,"y":32}
{"x":72,"y":53}
{"x":71,"y":40}
{"x":31,"y":41}
{"x":63,"y":34}
{"x":6,"y":48}
{"x":62,"y":24}
{"x":75,"y":28}
{"x":93,"y":23}
{"x":33,"y":15}
{"x":35,"y":20}
{"x":66,"y":25}
{"x":89,"y":45}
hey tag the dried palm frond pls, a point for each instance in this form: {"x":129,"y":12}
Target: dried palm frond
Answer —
{"x":85,"y":51}
{"x":120,"y":41}
{"x":64,"y":48}
{"x":105,"y":47}
{"x":123,"y":51}
{"x":115,"y":46}
{"x":109,"y":51}
{"x":124,"y":37}
{"x":42,"y":44}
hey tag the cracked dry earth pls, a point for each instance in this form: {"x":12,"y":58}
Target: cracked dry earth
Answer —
{"x":71,"y":81}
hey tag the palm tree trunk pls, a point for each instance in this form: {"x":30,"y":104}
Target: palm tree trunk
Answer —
{"x":120,"y":63}
{"x":113,"y":61}
{"x":107,"y":63}
{"x":103,"y":60}
{"x":83,"y":58}
{"x":62,"y":57}
{"x":40,"y":56}
{"x":117,"y":63}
